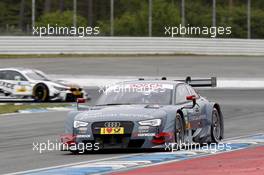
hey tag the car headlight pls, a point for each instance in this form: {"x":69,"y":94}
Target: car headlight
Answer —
{"x":153,"y":122}
{"x":77,"y":124}
{"x":60,"y":88}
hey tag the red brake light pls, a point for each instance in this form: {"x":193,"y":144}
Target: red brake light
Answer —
{"x":80,"y":100}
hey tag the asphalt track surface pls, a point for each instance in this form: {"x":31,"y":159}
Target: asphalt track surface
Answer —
{"x":173,"y":66}
{"x":243,"y":114}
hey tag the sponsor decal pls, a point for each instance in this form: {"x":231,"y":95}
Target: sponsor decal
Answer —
{"x":146,"y":134}
{"x":145,"y":88}
{"x":82,"y":130}
{"x":119,"y":130}
{"x":83,"y":136}
{"x":143,"y":131}
{"x":21,"y":89}
{"x":7,"y":85}
{"x":143,"y":127}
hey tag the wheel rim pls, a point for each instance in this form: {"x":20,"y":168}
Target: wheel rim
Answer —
{"x":216,"y":126}
{"x":40,"y":93}
{"x":178,"y":131}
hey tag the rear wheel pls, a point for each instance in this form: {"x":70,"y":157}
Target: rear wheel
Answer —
{"x":41,"y":92}
{"x":179,"y":130}
{"x":216,"y":128}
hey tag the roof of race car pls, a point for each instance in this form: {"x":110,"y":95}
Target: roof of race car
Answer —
{"x":20,"y":69}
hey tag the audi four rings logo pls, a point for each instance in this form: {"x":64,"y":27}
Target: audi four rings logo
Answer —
{"x":112,"y":124}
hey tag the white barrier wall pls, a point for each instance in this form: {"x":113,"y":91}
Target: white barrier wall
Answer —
{"x":129,"y":45}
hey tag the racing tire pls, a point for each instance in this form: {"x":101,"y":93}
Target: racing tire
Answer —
{"x":179,"y":131}
{"x":75,"y":152}
{"x":71,"y":98}
{"x":7,"y":94}
{"x":41,"y":93}
{"x":216,"y":127}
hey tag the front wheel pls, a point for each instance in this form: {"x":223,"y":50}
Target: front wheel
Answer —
{"x":41,"y":93}
{"x":216,"y":127}
{"x":179,"y":130}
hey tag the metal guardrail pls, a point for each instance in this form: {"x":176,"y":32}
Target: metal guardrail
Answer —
{"x":129,"y":45}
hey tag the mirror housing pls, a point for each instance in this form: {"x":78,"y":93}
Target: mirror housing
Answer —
{"x":192,"y":98}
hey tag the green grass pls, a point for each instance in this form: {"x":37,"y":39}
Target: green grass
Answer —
{"x":13,"y":108}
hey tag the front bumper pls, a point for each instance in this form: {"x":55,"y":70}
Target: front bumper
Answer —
{"x":69,"y":95}
{"x":134,"y":137}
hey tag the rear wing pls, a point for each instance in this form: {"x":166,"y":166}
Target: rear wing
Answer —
{"x":212,"y":82}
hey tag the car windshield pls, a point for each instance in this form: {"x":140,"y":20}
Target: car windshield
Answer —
{"x":150,"y":93}
{"x":37,"y":76}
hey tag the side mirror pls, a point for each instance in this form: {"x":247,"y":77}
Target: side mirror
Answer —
{"x":192,"y":98}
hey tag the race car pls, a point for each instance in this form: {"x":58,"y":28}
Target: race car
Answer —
{"x":146,"y":114}
{"x":32,"y":83}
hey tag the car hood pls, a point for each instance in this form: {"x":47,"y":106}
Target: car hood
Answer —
{"x":121,"y":113}
{"x":67,"y":83}
{"x":59,"y":83}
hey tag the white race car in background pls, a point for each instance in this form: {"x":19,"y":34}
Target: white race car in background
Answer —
{"x":32,"y":83}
